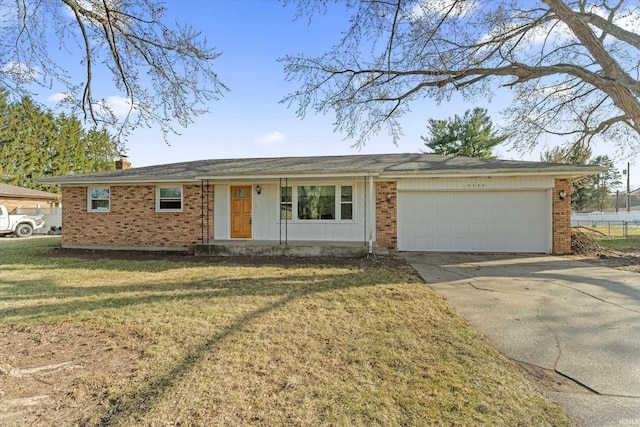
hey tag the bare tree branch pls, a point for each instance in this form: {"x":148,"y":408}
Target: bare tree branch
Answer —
{"x":165,"y":73}
{"x":566,"y":79}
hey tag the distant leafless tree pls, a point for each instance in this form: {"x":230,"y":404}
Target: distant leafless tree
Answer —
{"x":164,"y":73}
{"x":573,"y":66}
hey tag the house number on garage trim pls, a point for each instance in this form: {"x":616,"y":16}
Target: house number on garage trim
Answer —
{"x":472,"y":185}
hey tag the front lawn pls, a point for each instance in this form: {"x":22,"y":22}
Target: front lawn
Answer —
{"x":145,"y":339}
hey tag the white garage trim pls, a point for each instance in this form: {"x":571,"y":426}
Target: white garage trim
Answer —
{"x":478,"y":183}
{"x":475,"y":221}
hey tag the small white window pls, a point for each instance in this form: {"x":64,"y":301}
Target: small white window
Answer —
{"x":346,"y":202}
{"x":99,"y":199}
{"x":169,"y":199}
{"x":286,"y":203}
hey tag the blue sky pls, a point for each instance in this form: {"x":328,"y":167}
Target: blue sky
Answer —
{"x":249,"y":121}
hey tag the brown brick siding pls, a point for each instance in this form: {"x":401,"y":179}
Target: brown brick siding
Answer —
{"x":561,"y":216}
{"x":133,"y":220}
{"x":387,"y":215}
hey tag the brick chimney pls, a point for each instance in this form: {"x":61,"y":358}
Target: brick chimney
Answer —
{"x":123,"y":163}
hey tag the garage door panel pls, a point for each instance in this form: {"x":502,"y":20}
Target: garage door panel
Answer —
{"x":491,"y":221}
{"x":424,"y":232}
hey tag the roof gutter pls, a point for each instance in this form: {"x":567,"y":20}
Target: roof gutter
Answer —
{"x":104,"y":180}
{"x":288,"y":175}
{"x":494,"y":172}
{"x":130,"y":180}
{"x":569,"y":173}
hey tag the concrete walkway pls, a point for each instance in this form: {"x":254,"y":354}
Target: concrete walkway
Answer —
{"x":556,"y":315}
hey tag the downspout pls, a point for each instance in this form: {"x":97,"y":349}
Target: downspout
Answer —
{"x":372,"y":207}
{"x":202,"y":211}
{"x":209,"y":211}
{"x":366,"y":208}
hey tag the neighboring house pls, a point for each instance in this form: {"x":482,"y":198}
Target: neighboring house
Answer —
{"x":16,"y":198}
{"x":405,"y":202}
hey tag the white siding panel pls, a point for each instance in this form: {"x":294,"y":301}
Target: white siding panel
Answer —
{"x":265,"y":213}
{"x":486,"y":221}
{"x":221,"y":212}
{"x":477,"y":184}
{"x":267,"y":225}
{"x":329,"y":230}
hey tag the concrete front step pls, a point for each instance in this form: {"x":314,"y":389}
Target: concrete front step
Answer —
{"x":290,"y":249}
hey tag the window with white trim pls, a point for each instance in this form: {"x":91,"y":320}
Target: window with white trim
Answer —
{"x":99,"y":199}
{"x":317,"y":203}
{"x":169,"y":199}
{"x":286,"y":203}
{"x":346,"y":202}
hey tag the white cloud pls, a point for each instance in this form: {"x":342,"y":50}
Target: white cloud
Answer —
{"x":271,"y":138}
{"x":118,"y":105}
{"x":57,"y":97}
{"x":563,"y":91}
{"x":442,"y":7}
{"x":84,"y":4}
{"x":21,"y":71}
{"x":625,"y":18}
{"x":560,"y":32}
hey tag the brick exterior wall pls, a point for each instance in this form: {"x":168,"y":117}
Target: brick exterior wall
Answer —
{"x":387,"y":215}
{"x":133,"y":220}
{"x":561,"y":217}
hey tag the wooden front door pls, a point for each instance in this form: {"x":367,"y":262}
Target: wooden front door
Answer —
{"x":241,"y":212}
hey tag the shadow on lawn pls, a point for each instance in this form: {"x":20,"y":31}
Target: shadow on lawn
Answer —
{"x":76,"y":299}
{"x":128,"y":406}
{"x":280,"y":290}
{"x":54,"y":256}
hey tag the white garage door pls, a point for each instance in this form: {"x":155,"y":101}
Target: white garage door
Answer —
{"x":495,"y":221}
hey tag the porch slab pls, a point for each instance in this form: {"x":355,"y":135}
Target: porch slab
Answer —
{"x":289,"y":249}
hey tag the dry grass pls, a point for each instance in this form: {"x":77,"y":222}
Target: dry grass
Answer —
{"x":241,"y":344}
{"x":604,"y":229}
{"x":612,"y":237}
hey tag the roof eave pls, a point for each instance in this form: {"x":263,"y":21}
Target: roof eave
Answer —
{"x":323,"y":175}
{"x":118,"y":180}
{"x":568,"y":173}
{"x":219,"y":177}
{"x":434,"y":173}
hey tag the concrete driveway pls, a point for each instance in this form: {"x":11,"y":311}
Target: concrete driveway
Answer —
{"x":576,"y":324}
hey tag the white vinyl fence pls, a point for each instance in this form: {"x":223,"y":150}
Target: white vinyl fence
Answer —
{"x":52,"y":216}
{"x":624,"y":224}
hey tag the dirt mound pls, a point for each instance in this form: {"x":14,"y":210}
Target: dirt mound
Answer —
{"x":51,"y":375}
{"x":582,"y":244}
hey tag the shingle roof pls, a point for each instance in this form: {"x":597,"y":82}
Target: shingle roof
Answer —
{"x":379,"y":164}
{"x":7,"y":190}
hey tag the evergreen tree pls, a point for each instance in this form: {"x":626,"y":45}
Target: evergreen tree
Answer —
{"x":604,"y":183}
{"x":471,"y":135}
{"x":592,"y":192}
{"x":576,"y":154}
{"x":36,"y":144}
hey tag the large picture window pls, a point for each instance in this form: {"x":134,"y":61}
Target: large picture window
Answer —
{"x":169,"y":199}
{"x":99,"y":199}
{"x":317,"y":203}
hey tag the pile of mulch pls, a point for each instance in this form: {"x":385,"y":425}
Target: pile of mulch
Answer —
{"x":582,"y":244}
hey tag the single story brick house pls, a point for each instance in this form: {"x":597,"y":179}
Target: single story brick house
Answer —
{"x":406,"y":202}
{"x":16,"y":198}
